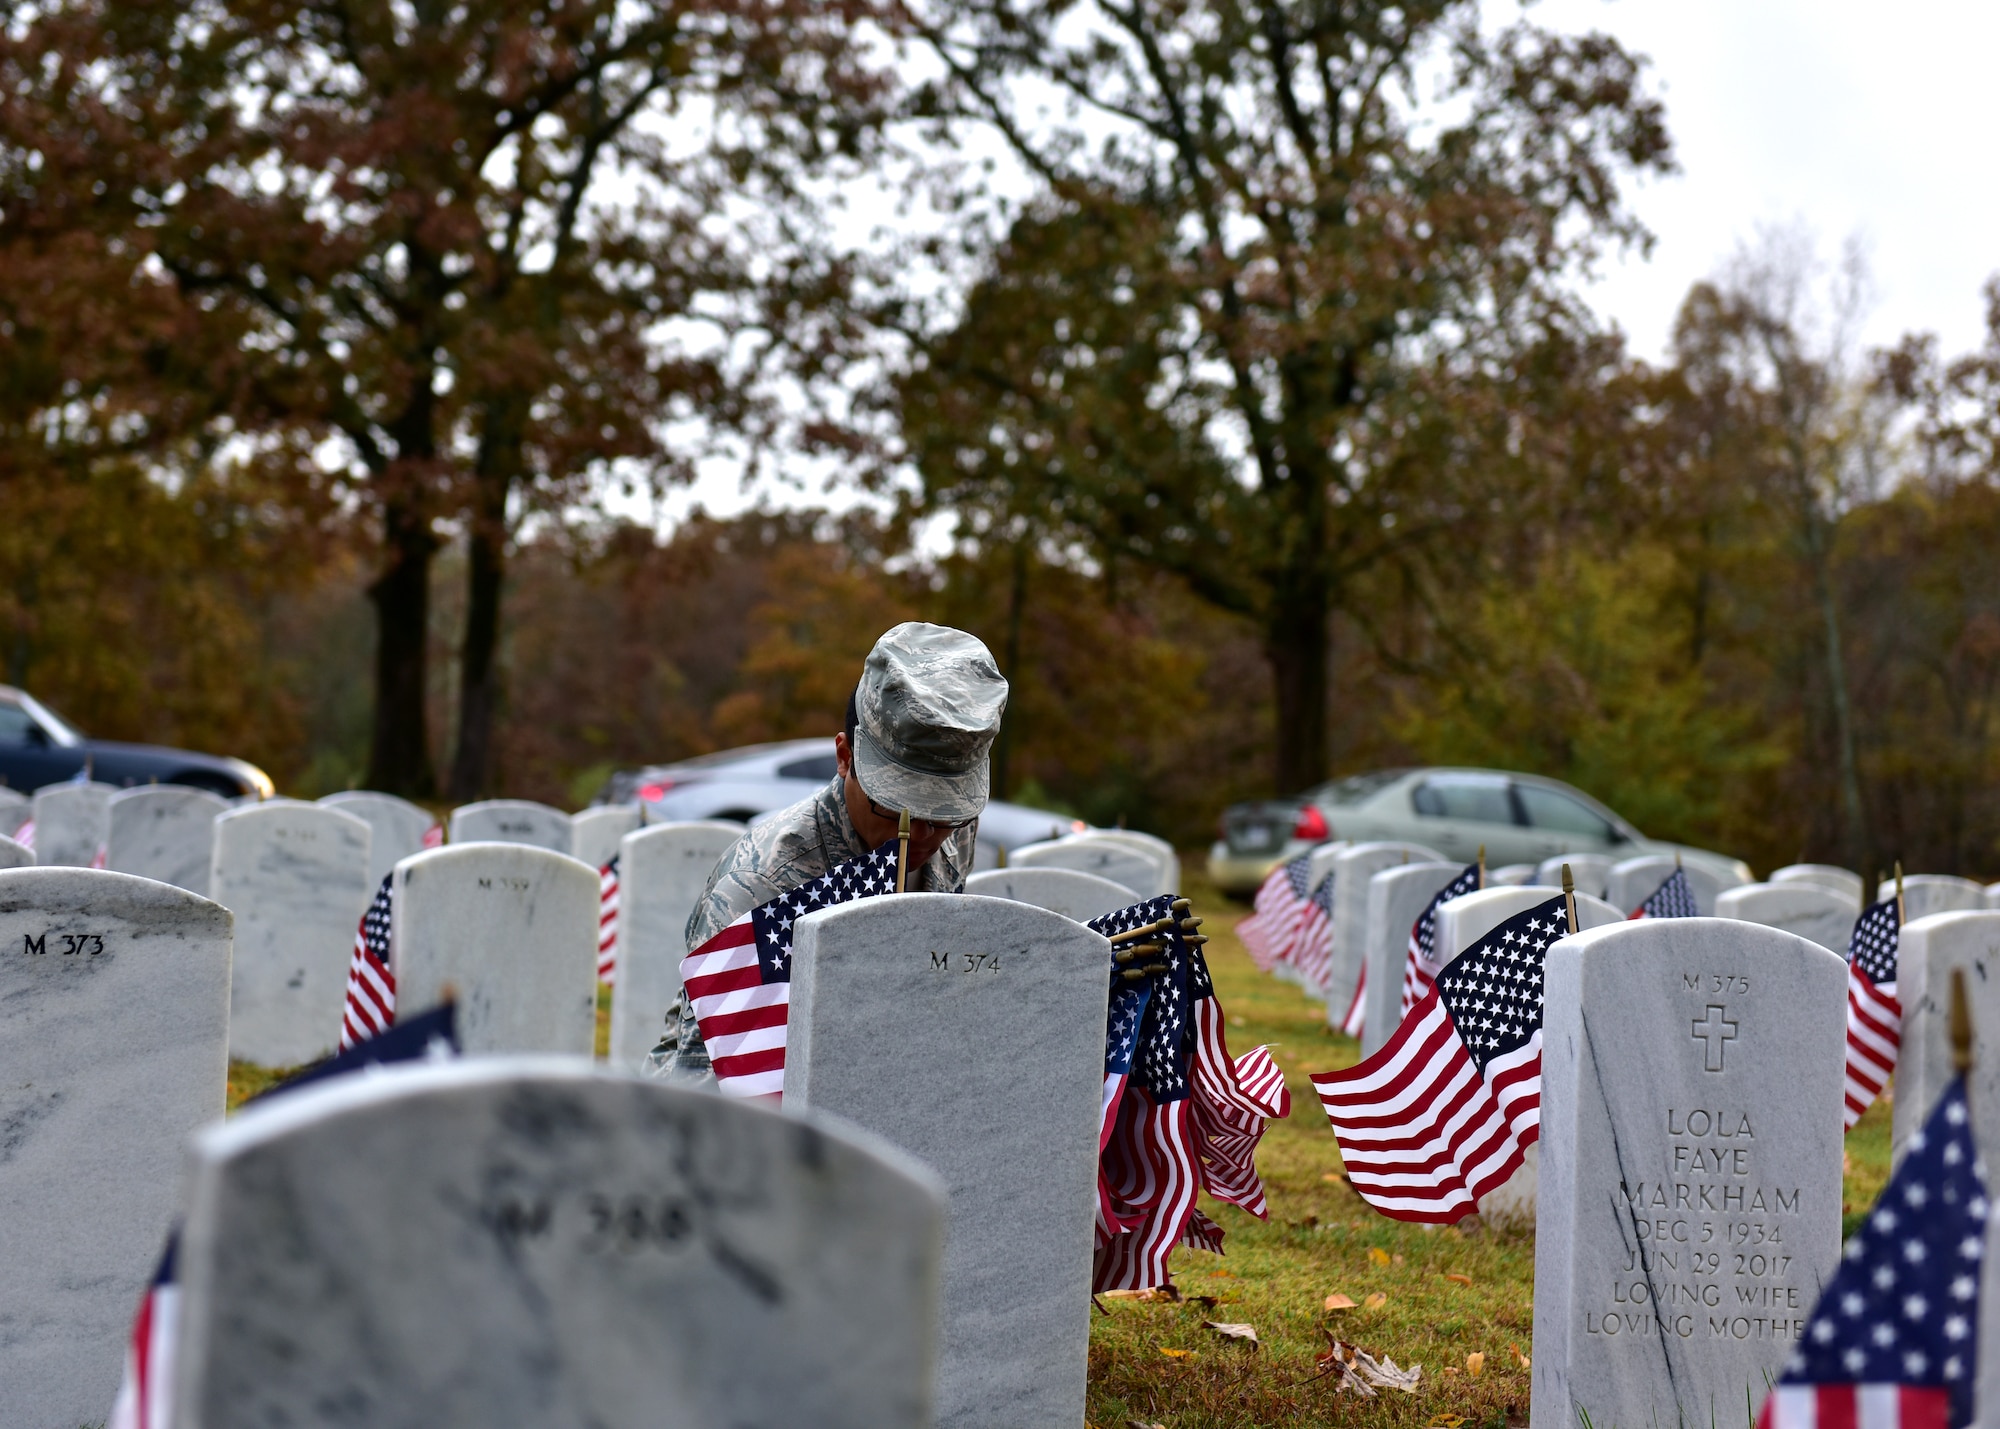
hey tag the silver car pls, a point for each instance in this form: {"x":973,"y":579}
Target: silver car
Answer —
{"x":758,"y":779}
{"x":1517,"y":818}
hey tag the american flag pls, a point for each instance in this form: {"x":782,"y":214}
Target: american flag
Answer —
{"x":607,"y":922}
{"x":1312,"y":936}
{"x":1442,"y":1114}
{"x":1894,"y":1340}
{"x":1180,"y":1114}
{"x":1269,"y":933}
{"x":739,"y":982}
{"x":371,"y":982}
{"x":1874,"y":1015}
{"x":146,"y":1393}
{"x":25,"y":836}
{"x":1421,"y":967}
{"x":1672,"y":899}
{"x":434,"y":836}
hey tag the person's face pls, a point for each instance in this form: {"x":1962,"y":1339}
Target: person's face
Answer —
{"x":875,"y":830}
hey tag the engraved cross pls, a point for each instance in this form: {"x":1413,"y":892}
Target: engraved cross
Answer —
{"x":1714,"y":1032}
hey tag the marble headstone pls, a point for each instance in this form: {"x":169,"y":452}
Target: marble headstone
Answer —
{"x":1135,"y":868}
{"x":1634,"y":880}
{"x":1397,"y":897}
{"x":595,"y":833}
{"x":13,"y":855}
{"x":1928,"y":893}
{"x":114,"y":1024}
{"x":1690,"y":1167}
{"x":1993,"y":895}
{"x":164,"y":832}
{"x":16,"y":809}
{"x":512,"y":821}
{"x":1931,"y":947}
{"x":662,"y":870}
{"x":1159,"y":848}
{"x":511,"y":931}
{"x":1081,"y":896}
{"x":72,"y":823}
{"x":1352,"y":867}
{"x":1590,"y":871}
{"x":296,"y":877}
{"x":530,"y":1241}
{"x":970,"y":1032}
{"x":1826,"y":875}
{"x":1511,"y":875}
{"x":1812,"y":910}
{"x":397,"y":828}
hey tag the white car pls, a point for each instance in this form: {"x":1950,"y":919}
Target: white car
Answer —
{"x":757,"y":779}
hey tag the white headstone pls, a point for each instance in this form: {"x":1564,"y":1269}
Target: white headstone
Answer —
{"x":72,"y":822}
{"x":1925,"y":894}
{"x":662,"y":870}
{"x":890,"y":997}
{"x":164,"y":832}
{"x":1352,"y":867}
{"x":1464,"y":921}
{"x":1691,"y":1167}
{"x":1635,"y":880}
{"x":13,"y":855}
{"x":1086,"y":853}
{"x":512,"y":821}
{"x":16,"y":809}
{"x":397,"y":827}
{"x":1993,"y":895}
{"x":1812,"y":910}
{"x":296,"y":877}
{"x":1159,"y":848}
{"x":1081,"y":896}
{"x":114,"y":1018}
{"x":1826,"y":875}
{"x":1397,"y":897}
{"x":595,"y":833}
{"x":511,"y":931}
{"x":1591,"y":872}
{"x":529,"y":1241}
{"x":1930,"y":949}
{"x":1511,"y":875}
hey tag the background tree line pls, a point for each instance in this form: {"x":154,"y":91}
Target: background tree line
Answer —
{"x":1256,"y":424}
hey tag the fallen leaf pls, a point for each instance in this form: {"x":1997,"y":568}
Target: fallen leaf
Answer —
{"x":1232,"y":1332}
{"x":1446,"y":1421}
{"x":1142,"y":1424}
{"x":1238,"y":1022}
{"x":1173,"y":1354}
{"x":1520,"y":1358}
{"x":1207,"y":1302}
{"x":1378,"y":1255}
{"x":1167,"y":1293}
{"x":1333,"y":1176}
{"x":1375,"y":1301}
{"x":1221,"y":1275}
{"x":1338,"y":1301}
{"x":1458,"y":1279}
{"x":1384,"y":1374}
{"x":1475,"y":1363}
{"x":1398,"y":1259}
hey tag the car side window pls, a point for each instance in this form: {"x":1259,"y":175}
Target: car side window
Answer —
{"x":1558,"y":813}
{"x":1480,"y":799}
{"x":819,"y":768}
{"x":16,"y":725}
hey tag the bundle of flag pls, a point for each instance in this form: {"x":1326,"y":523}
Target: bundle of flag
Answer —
{"x":145,"y":1395}
{"x":370,"y":1008}
{"x":738,"y":984}
{"x":1672,"y":899}
{"x":1874,"y":1014}
{"x":1894,"y":1340}
{"x":1180,"y":1114}
{"x":607,"y":922}
{"x":1443,"y":1113}
{"x":1269,"y":932}
{"x":1421,"y":967}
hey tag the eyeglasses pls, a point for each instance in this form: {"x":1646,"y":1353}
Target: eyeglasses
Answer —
{"x":881,"y":813}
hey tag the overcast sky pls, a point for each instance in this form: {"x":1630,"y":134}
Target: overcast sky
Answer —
{"x":1875,"y":121}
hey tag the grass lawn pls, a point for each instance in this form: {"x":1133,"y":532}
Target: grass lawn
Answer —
{"x":1450,"y":1294}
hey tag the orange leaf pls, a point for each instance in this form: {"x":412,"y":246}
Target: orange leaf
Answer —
{"x":1474,"y":1363}
{"x":1176,"y":1354}
{"x":1337,"y":1301}
{"x":1375,"y":1301}
{"x":1459,"y":1279}
{"x":1522,"y":1359}
{"x":1378,"y":1255}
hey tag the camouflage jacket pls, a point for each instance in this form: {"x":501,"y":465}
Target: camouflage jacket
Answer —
{"x":789,"y":848}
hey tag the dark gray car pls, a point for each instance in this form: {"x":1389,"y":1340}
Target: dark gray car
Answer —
{"x":39,"y":747}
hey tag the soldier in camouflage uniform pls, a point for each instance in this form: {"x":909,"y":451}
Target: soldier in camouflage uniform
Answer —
{"x":919,"y":726}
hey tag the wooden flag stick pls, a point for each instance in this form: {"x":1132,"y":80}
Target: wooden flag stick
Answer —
{"x":1482,"y":865}
{"x":1961,"y":1025}
{"x":1900,"y":915}
{"x":1569,"y":897}
{"x":903,"y":852}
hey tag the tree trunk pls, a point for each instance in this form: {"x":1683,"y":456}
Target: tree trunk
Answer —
{"x":1852,"y":818}
{"x":479,"y":677}
{"x":399,"y":760}
{"x":1017,"y":601}
{"x":1295,"y":644}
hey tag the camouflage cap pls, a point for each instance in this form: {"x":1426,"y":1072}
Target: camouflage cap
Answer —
{"x":927,"y":709}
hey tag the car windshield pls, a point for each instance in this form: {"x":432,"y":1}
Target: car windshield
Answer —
{"x":60,"y":730}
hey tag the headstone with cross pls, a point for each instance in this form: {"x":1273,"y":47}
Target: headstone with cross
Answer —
{"x":1690,"y":1190}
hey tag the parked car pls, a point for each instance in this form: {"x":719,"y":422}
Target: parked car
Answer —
{"x":758,"y":779}
{"x":39,"y":747}
{"x":1518,"y":818}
